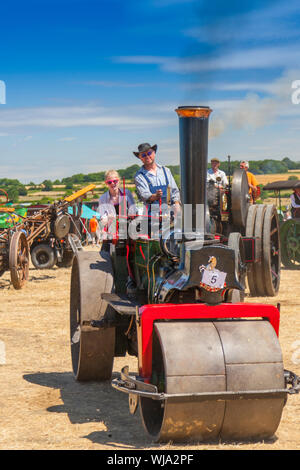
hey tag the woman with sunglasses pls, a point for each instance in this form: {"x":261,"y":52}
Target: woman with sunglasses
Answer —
{"x":114,"y":201}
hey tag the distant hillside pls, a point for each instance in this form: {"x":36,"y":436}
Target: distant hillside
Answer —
{"x":67,"y":185}
{"x":258,"y":167}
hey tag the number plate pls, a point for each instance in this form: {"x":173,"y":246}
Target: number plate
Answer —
{"x":214,"y":278}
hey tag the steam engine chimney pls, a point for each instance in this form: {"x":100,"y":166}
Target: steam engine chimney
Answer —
{"x":193,"y":138}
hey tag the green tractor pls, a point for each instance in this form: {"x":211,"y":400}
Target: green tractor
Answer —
{"x":289,"y":228}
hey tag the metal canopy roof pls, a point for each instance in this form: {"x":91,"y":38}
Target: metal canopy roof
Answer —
{"x":287,"y":184}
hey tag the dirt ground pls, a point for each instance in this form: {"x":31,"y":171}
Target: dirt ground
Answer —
{"x":43,"y":407}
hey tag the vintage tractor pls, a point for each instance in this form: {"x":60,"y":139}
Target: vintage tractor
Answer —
{"x":289,"y":228}
{"x":54,"y":246}
{"x":208,"y":367}
{"x":52,"y":223}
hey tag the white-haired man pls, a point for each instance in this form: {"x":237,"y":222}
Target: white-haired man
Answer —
{"x":252,"y":181}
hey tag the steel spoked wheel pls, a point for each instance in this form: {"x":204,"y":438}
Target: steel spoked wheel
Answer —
{"x":290,"y":243}
{"x":19,"y":260}
{"x":75,"y":317}
{"x":271,"y":257}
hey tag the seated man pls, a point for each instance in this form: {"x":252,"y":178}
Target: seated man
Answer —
{"x":153,"y":180}
{"x":215,"y":175}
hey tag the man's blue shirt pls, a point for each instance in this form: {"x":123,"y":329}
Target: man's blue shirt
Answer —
{"x":158,"y":179}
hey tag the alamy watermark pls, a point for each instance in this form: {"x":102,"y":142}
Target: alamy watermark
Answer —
{"x":296,"y":94}
{"x":162,"y":221}
{"x":2,"y":92}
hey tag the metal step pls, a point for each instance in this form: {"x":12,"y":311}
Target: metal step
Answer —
{"x":75,"y":243}
{"x":121,"y":303}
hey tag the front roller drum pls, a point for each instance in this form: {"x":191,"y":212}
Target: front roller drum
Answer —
{"x":92,"y":349}
{"x":235,"y":356}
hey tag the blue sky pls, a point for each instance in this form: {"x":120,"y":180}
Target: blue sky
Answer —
{"x":87,"y":81}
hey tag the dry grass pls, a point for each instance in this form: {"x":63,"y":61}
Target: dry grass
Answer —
{"x":41,"y":405}
{"x":265,"y":179}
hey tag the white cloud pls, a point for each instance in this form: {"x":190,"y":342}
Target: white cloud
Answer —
{"x":112,"y":84}
{"x":67,"y":117}
{"x":67,"y":139}
{"x":254,"y":111}
{"x":287,"y":56}
{"x":141,"y":59}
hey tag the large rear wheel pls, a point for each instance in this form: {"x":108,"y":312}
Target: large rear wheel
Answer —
{"x":250,"y":229}
{"x":258,"y":266}
{"x":271,"y":258}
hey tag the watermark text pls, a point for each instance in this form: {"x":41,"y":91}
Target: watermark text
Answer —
{"x":296,"y":94}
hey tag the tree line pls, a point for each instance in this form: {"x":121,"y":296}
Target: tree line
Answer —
{"x":258,"y":167}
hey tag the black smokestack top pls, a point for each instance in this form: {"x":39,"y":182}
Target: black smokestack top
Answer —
{"x":193,"y":139}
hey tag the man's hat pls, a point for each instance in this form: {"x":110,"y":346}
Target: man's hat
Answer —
{"x":144,"y":148}
{"x":215,"y":160}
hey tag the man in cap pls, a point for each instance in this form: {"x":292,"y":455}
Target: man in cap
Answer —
{"x":252,"y":181}
{"x":153,"y":180}
{"x":217,"y":176}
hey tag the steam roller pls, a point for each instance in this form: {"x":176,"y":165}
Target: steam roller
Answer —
{"x":210,"y":366}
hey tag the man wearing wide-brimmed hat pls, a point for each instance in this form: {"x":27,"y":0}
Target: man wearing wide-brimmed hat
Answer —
{"x":152,"y":180}
{"x":214,"y":174}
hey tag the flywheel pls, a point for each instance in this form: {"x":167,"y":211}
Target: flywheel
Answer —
{"x":240,"y":198}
